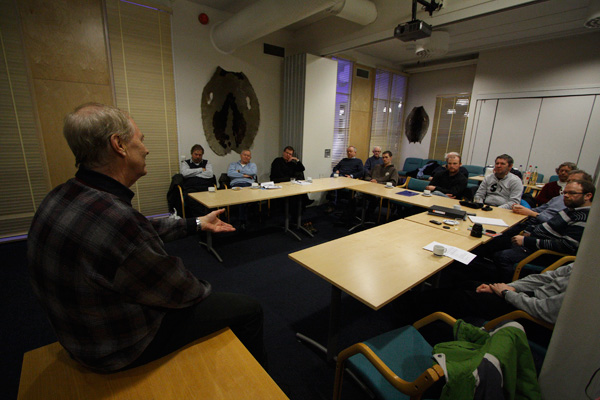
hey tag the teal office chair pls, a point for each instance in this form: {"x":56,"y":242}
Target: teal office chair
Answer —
{"x":396,"y":361}
{"x":553,"y":178}
{"x":410,"y":164}
{"x":398,"y":364}
{"x":417,"y":184}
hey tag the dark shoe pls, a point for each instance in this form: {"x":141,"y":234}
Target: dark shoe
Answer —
{"x":329,"y":209}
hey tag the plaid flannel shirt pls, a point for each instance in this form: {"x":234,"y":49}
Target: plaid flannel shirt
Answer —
{"x":101,"y":272}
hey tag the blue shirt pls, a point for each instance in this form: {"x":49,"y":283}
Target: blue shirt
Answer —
{"x":236,"y":172}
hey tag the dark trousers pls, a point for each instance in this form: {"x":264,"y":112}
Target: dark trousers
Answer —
{"x":242,"y":208}
{"x":179,"y":327}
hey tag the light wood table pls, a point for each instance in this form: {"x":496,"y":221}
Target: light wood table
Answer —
{"x":229,"y":197}
{"x":507,"y":216}
{"x":217,"y":366}
{"x":377,"y":266}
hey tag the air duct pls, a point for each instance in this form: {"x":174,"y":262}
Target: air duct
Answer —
{"x":262,"y":18}
{"x":362,"y":12}
{"x":267,"y":16}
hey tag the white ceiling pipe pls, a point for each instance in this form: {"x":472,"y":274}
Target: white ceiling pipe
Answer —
{"x":362,"y":12}
{"x":262,"y":18}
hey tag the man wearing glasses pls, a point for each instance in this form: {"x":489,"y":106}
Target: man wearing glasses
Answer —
{"x":561,"y":233}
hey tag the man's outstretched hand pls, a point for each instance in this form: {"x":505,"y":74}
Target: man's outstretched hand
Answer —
{"x":212,"y":223}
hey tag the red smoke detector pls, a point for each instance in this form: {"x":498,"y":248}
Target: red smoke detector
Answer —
{"x":203,"y":18}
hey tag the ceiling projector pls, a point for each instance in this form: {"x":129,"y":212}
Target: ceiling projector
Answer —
{"x":413,"y":30}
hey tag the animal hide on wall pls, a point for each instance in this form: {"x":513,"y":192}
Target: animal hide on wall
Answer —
{"x":416,"y":125}
{"x":230,"y":112}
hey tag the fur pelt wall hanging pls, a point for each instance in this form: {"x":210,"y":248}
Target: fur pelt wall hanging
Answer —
{"x":230,"y":112}
{"x":416,"y":125}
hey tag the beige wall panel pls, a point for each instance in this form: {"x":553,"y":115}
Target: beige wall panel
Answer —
{"x":64,"y":40}
{"x":54,"y":100}
{"x":360,"y":133}
{"x":362,"y":90}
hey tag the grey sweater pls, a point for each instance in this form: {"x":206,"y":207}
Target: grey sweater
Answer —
{"x":541,"y":295}
{"x":503,"y":193}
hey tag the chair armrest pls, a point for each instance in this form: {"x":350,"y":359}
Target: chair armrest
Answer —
{"x":532,"y":257}
{"x":182,"y":201}
{"x":436,"y":316}
{"x":415,"y":388}
{"x":518,"y":314}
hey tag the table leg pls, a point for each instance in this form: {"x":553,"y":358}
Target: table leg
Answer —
{"x":299,"y":219}
{"x":363,"y":215}
{"x":287,"y":220}
{"x":334,"y":327}
{"x":209,"y":246}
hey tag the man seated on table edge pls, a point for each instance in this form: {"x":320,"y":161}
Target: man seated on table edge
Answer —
{"x":501,"y":188}
{"x":113,"y":295}
{"x":449,"y":182}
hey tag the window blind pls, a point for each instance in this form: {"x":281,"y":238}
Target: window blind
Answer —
{"x":142,"y":64}
{"x":342,"y":110}
{"x":23,"y":170}
{"x":450,"y":122}
{"x":388,"y":102}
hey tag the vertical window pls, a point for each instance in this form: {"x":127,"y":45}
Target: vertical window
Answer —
{"x":142,"y":62}
{"x":23,"y":170}
{"x":449,"y":124}
{"x":388,"y":103}
{"x":342,"y":110}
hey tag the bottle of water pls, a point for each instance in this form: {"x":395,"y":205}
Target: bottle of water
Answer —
{"x":527,"y":176}
{"x":534,"y":176}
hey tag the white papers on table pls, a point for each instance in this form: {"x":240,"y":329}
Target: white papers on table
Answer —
{"x":269,"y":185}
{"x":487,"y":221}
{"x":302,"y":182}
{"x":453,"y":252}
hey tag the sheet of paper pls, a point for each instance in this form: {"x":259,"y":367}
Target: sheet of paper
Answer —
{"x":453,"y":252}
{"x":487,"y":221}
{"x":302,"y":182}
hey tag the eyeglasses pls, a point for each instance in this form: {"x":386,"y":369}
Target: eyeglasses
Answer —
{"x":571,"y":193}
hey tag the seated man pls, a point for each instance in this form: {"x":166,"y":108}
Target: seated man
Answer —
{"x":197,"y":177}
{"x":242,"y":173}
{"x":562,"y":233}
{"x":286,"y":167}
{"x":539,"y":295}
{"x":548,"y":210}
{"x":350,"y":167}
{"x":553,"y":189}
{"x":501,"y":189}
{"x":381,"y":173}
{"x":283,"y":169}
{"x":113,"y":295}
{"x":449,"y":182}
{"x":197,"y":172}
{"x":374,"y":160}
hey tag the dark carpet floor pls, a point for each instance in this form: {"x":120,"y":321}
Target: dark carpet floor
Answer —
{"x":255,"y":263}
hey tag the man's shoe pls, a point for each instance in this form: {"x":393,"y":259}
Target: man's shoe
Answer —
{"x":329,"y":209}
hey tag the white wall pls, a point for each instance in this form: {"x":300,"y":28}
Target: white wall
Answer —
{"x":423,"y":88}
{"x":195,"y":60}
{"x":319,"y":109}
{"x":560,"y":67}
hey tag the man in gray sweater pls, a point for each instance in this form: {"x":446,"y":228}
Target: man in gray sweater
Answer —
{"x":501,"y":189}
{"x":539,"y":295}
